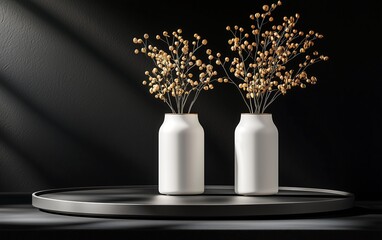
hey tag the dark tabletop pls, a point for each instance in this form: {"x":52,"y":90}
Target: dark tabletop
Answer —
{"x":19,"y":220}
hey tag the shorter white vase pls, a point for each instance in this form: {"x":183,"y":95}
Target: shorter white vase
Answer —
{"x":181,"y":155}
{"x":256,"y":155}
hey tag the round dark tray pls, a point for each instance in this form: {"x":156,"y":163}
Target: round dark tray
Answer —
{"x":217,"y":201}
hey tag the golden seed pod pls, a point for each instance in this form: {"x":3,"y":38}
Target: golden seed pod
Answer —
{"x":279,"y":3}
{"x":145,"y":36}
{"x":172,"y":77}
{"x":136,"y":51}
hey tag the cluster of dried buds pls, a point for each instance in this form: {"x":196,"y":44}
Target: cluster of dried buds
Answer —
{"x":261,"y":69}
{"x":179,"y":75}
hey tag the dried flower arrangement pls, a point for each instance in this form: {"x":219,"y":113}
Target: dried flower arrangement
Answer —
{"x":261,"y":70}
{"x":179,"y":74}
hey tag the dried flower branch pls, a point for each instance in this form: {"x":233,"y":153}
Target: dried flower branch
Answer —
{"x":172,"y":80}
{"x":261,"y":70}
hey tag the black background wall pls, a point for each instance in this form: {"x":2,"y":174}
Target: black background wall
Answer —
{"x":73,"y":111}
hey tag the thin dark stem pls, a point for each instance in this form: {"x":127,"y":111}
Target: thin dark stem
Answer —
{"x":233,"y":82}
{"x":278,"y":93}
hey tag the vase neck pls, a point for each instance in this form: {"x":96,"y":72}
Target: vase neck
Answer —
{"x":182,"y":117}
{"x":263,"y":118}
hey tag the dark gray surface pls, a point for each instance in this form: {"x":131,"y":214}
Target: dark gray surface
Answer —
{"x":217,"y":201}
{"x":19,"y":220}
{"x":23,"y":217}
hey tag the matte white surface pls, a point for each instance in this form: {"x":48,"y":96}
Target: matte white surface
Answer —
{"x":256,"y":155}
{"x":181,"y":155}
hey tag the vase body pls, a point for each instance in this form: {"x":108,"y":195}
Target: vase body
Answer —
{"x":256,"y":155}
{"x":181,"y":155}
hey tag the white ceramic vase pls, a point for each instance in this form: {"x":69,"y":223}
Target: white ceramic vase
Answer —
{"x":256,"y":155}
{"x":181,"y":155}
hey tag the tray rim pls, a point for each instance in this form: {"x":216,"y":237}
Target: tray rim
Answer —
{"x":340,"y":200}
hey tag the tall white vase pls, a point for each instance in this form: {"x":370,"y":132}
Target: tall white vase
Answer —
{"x":256,"y":155}
{"x":181,"y":155}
